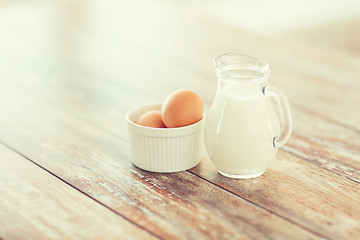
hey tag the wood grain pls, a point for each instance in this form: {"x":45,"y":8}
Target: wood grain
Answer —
{"x":326,"y":144}
{"x":316,"y":138}
{"x":335,"y":145}
{"x":72,"y":74}
{"x":32,"y":209}
{"x":301,"y":193}
{"x":292,"y":176}
{"x":99,"y":165}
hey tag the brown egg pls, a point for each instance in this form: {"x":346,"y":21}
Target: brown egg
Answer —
{"x":151,"y":119}
{"x":182,"y":108}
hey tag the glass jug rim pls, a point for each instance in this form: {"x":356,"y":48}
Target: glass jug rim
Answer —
{"x":234,"y":59}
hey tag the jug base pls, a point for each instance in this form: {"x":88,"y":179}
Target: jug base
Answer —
{"x":242,"y":176}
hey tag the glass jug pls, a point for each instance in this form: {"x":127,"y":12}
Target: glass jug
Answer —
{"x":248,"y":120}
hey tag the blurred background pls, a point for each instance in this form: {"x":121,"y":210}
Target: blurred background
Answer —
{"x":117,"y":49}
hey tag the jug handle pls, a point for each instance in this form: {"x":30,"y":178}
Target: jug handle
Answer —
{"x":285,"y":117}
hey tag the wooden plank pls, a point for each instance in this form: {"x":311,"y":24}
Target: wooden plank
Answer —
{"x":34,"y":204}
{"x":88,"y":102}
{"x":328,"y":145}
{"x":316,"y":138}
{"x":178,"y":206}
{"x":308,"y":63}
{"x":307,"y":195}
{"x":303,"y":178}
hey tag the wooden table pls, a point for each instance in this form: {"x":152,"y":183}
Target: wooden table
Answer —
{"x":71,"y":69}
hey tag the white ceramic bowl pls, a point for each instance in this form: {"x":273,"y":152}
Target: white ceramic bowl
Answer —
{"x":164,"y":149}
